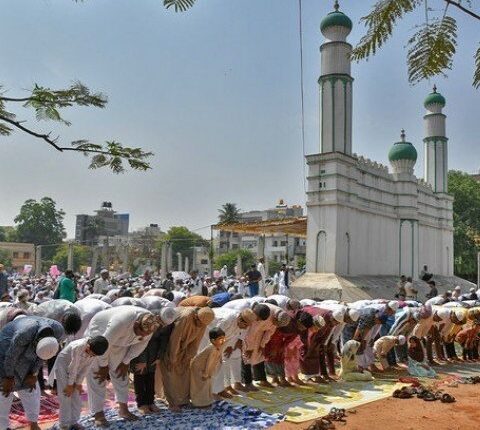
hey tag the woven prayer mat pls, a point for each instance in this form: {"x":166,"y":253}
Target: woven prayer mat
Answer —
{"x":300,"y":404}
{"x":221,"y":416}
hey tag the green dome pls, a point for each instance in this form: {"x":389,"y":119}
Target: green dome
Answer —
{"x":434,"y":98}
{"x":336,"y":18}
{"x":402,"y":151}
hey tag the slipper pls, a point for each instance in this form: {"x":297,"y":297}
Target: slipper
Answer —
{"x":429,"y":397}
{"x":447,"y":398}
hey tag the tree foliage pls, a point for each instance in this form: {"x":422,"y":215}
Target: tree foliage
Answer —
{"x":182,"y":240}
{"x":179,"y":5}
{"x":8,"y":234}
{"x":47,"y":105}
{"x":5,"y":258}
{"x":229,"y":213}
{"x":431,"y":48}
{"x":41,"y":223}
{"x":82,"y":256}
{"x":466,"y":222}
{"x":230,"y":260}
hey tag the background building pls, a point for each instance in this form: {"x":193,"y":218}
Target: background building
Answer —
{"x":106,"y":222}
{"x":278,"y":248}
{"x":21,"y":254}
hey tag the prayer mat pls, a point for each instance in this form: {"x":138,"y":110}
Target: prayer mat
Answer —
{"x":48,"y":411}
{"x":300,"y":404}
{"x":222,"y":415}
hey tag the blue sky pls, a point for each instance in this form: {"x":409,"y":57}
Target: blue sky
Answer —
{"x":214,"y":93}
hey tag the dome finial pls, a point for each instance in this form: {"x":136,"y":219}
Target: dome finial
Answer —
{"x":402,"y":135}
{"x":336,"y":6}
{"x":434,"y":88}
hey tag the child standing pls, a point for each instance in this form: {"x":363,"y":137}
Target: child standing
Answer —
{"x":69,"y":370}
{"x":203,"y":367}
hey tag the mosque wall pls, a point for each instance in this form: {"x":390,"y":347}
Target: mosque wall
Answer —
{"x":363,"y":220}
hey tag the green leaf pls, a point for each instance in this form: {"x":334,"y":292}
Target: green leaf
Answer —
{"x":380,"y":23}
{"x":179,"y":5}
{"x":432,"y":49}
{"x":476,"y":75}
{"x":5,"y":130}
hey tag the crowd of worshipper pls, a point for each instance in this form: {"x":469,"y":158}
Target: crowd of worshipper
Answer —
{"x":193,"y":340}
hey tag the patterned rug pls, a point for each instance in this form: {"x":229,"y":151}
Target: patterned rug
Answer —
{"x":222,"y":415}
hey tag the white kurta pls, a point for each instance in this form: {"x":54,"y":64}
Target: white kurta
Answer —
{"x":71,"y":367}
{"x":282,"y":301}
{"x":30,"y":402}
{"x":116,"y":324}
{"x":283,"y":289}
{"x":88,"y":309}
{"x":239,"y":305}
{"x":230,"y":370}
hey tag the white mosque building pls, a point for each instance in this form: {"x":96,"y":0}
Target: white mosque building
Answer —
{"x":364,"y":219}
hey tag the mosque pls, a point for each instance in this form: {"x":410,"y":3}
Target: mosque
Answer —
{"x":366,"y":221}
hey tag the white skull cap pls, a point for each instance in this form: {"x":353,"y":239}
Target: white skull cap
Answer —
{"x":47,"y":348}
{"x":393,"y":305}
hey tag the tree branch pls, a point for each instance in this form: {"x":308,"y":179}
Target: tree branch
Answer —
{"x":10,"y":99}
{"x":463,"y":9}
{"x":45,"y":137}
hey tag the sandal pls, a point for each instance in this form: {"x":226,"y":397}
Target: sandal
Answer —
{"x":447,"y":398}
{"x":429,"y":397}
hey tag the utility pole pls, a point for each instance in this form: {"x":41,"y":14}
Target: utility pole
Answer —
{"x":38,"y":260}
{"x":478,"y":270}
{"x":70,"y":256}
{"x":163,"y":264}
{"x":179,"y":261}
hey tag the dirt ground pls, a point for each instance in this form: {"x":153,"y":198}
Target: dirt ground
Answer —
{"x":413,"y":414}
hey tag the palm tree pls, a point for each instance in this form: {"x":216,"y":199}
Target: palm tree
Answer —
{"x":229,"y":214}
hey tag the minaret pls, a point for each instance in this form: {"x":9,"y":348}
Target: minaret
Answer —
{"x":402,"y":156}
{"x":336,"y":84}
{"x":436,"y":157}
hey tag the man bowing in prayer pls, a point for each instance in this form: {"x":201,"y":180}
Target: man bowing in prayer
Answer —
{"x":128,"y":330}
{"x":183,"y":345}
{"x":24,"y":344}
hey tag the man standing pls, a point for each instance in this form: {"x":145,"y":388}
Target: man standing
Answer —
{"x":433,"y":290}
{"x":102,"y":284}
{"x":196,"y":285}
{"x":67,"y":289}
{"x":254,"y":277}
{"x":410,"y":290}
{"x":401,"y":287}
{"x":283,"y":281}
{"x":128,"y":330}
{"x":24,"y":344}
{"x":261,"y":269}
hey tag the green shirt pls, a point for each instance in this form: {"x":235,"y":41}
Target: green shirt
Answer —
{"x":67,"y":290}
